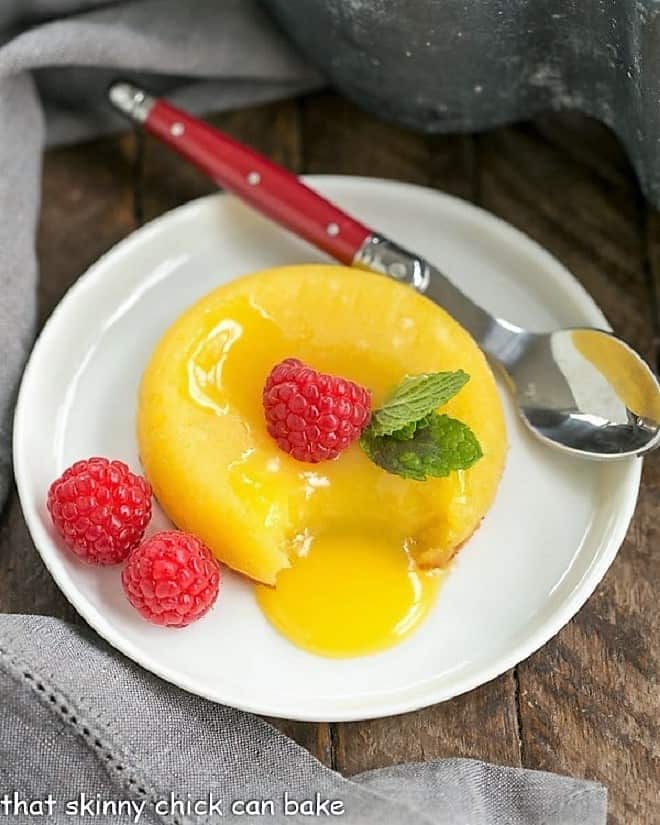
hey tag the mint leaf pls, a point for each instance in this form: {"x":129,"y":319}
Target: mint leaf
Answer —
{"x":442,"y":445}
{"x":407,"y":432}
{"x":416,"y":397}
{"x":407,"y":437}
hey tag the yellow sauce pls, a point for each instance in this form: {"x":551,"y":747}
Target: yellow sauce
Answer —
{"x":349,"y":595}
{"x":635,"y":388}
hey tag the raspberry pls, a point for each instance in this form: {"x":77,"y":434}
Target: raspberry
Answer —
{"x":311,"y":415}
{"x":171,"y":579}
{"x":101,"y":509}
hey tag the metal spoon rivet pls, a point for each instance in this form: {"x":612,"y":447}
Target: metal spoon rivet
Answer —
{"x":398,"y":270}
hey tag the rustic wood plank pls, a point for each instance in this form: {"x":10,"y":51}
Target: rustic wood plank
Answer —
{"x":25,"y":584}
{"x":653,"y":277}
{"x":587,"y":142}
{"x":87,"y":206}
{"x":588,"y":705}
{"x":481,"y":724}
{"x":338,"y":138}
{"x":589,"y":218}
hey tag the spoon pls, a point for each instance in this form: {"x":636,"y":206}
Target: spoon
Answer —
{"x":583,"y":391}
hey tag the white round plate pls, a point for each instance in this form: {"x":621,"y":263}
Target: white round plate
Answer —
{"x":553,"y":532}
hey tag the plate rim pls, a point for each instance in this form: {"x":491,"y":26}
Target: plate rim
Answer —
{"x":411,"y":697}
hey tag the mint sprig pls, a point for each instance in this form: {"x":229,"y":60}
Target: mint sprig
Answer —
{"x":407,"y":437}
{"x":444,"y":444}
{"x":416,"y":397}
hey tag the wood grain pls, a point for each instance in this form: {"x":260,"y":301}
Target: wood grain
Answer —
{"x":87,"y":207}
{"x":25,"y":584}
{"x":481,"y":724}
{"x":653,"y":277}
{"x":588,"y":699}
{"x":588,"y":216}
{"x":337,"y":137}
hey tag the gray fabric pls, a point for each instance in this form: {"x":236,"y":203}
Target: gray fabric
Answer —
{"x":76,"y":717}
{"x":108,"y":728}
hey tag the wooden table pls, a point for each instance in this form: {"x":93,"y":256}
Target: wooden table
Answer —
{"x":587,"y":703}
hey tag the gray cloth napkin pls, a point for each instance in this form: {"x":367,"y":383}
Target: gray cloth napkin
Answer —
{"x":76,"y":718}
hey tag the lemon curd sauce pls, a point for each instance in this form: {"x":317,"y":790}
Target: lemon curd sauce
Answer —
{"x":348,"y":595}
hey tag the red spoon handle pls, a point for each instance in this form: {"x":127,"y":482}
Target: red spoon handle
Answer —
{"x":267,"y":187}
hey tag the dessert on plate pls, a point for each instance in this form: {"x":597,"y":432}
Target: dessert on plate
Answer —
{"x":331,"y":434}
